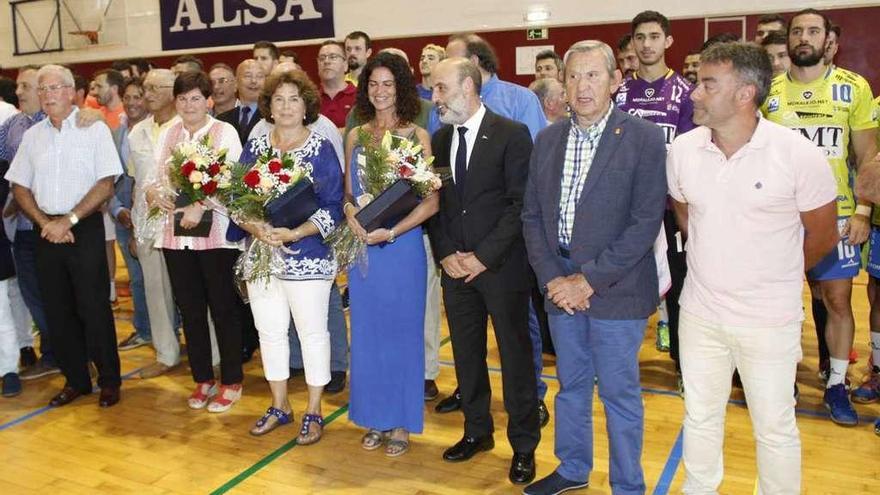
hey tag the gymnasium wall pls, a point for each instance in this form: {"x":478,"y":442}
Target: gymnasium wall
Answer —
{"x":499,"y":21}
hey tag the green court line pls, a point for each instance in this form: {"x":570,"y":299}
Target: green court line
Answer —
{"x":247,"y":473}
{"x":265,"y":461}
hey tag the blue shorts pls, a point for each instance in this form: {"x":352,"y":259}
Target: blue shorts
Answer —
{"x":873,"y":264}
{"x":842,"y":262}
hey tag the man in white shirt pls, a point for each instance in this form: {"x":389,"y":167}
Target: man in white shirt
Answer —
{"x":62,"y":174}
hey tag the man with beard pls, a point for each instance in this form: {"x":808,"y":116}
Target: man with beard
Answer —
{"x":357,"y":51}
{"x":108,"y":88}
{"x":776,"y":45}
{"x":831,"y":107}
{"x":477,"y":235}
{"x":656,"y":93}
{"x":691,"y":66}
{"x":627,"y":60}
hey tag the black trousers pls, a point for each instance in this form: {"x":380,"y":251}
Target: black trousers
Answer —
{"x":468,"y":307}
{"x":74,"y":284}
{"x":202,"y":280}
{"x":677,"y":270}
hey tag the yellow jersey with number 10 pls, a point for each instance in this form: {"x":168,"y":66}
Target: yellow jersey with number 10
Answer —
{"x":825,"y":111}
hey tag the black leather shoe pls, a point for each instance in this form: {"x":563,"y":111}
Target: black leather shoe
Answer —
{"x":109,"y":396}
{"x":449,"y":404}
{"x":431,"y":391}
{"x":337,"y":382}
{"x":543,"y":414}
{"x":467,"y":447}
{"x":247,"y":354}
{"x":522,"y":468}
{"x":66,"y":396}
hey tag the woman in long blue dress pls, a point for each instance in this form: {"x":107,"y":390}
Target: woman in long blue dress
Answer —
{"x":388,"y":294}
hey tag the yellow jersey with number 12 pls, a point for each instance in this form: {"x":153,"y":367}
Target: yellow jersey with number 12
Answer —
{"x":825,"y":111}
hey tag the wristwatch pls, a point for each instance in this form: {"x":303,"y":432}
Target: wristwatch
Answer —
{"x":392,"y":237}
{"x":73,"y":218}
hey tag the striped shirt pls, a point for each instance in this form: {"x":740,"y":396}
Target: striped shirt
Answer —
{"x":579,"y":153}
{"x":60,"y":166}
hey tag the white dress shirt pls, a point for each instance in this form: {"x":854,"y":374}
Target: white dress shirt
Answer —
{"x":61,"y":166}
{"x":470,"y":137}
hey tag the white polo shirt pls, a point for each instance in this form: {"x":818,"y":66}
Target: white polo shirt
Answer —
{"x":745,"y":236}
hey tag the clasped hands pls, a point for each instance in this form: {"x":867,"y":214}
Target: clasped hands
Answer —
{"x":571,"y":293}
{"x":463,"y":265}
{"x":58,"y":231}
{"x":273,"y":236}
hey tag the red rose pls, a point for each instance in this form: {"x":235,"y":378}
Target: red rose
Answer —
{"x":214,"y":169}
{"x":405,"y":171}
{"x":209,"y":188}
{"x":187,"y":168}
{"x":284,"y":178}
{"x":274,"y":166}
{"x":252,"y":179}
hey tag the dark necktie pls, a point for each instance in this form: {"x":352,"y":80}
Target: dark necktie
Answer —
{"x":245,"y":117}
{"x":461,"y":162}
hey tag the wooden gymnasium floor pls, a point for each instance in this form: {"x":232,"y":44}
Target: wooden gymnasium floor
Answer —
{"x":152,"y":443}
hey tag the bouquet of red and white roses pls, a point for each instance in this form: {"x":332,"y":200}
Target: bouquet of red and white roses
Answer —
{"x":197,"y":171}
{"x":276,"y":191}
{"x":395,"y":175}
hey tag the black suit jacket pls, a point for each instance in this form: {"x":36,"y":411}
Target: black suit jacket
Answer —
{"x":232,"y":117}
{"x":487,"y":219}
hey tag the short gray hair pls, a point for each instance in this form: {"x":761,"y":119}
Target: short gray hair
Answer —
{"x":750,"y":61}
{"x":542,"y":87}
{"x":64,"y":72}
{"x":586,"y":46}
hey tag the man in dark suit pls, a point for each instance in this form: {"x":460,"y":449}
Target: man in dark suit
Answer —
{"x":593,"y":208}
{"x":477,"y":237}
{"x":249,"y":79}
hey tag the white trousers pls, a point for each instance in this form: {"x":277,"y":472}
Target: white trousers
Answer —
{"x":8,"y":338}
{"x":767,"y":361}
{"x":272,"y":304}
{"x":21,"y":317}
{"x":432,"y":316}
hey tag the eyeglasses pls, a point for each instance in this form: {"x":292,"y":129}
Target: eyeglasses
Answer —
{"x":222,"y":80}
{"x":52,"y":89}
{"x":153,"y":88}
{"x":334,"y":57}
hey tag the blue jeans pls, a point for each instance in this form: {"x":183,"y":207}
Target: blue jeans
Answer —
{"x":141,"y":319}
{"x":338,"y":336}
{"x":537,"y":350}
{"x":23,"y":250}
{"x":588,"y":347}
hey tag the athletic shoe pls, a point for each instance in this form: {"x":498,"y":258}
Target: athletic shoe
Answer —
{"x":825,"y":371}
{"x":662,"y":342}
{"x":11,"y":385}
{"x":869,"y":390}
{"x":133,"y":341}
{"x":838,"y":404}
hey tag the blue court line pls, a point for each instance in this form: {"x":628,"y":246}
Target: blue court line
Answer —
{"x":736,"y":402}
{"x":671,"y":466}
{"x":45,"y":409}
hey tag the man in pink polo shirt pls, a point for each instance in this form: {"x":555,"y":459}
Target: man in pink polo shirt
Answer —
{"x":757,"y":203}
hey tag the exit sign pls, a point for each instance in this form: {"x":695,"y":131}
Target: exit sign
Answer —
{"x":537,"y":34}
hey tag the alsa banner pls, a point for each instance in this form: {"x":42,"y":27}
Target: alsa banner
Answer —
{"x":208,"y":23}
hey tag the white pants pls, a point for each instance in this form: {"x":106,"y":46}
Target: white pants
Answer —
{"x":432,"y":316}
{"x":272,"y":304}
{"x":8,"y":338}
{"x":767,"y":361}
{"x":21,"y":317}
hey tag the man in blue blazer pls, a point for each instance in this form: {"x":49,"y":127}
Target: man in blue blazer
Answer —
{"x":594,"y":202}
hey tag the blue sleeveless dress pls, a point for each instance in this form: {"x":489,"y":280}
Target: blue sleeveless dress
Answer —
{"x":387,"y":304}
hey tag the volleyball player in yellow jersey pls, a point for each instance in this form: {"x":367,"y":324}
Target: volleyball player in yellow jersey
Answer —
{"x":869,"y":390}
{"x":831,"y":107}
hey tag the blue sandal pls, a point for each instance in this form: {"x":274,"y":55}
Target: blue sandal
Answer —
{"x":306,"y":436}
{"x":281,"y":417}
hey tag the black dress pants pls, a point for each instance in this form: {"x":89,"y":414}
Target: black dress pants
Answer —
{"x":468,"y":307}
{"x":202,"y":280}
{"x":74,"y":282}
{"x":676,"y":257}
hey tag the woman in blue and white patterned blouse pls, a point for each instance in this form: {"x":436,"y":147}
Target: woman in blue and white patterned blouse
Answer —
{"x":291,"y":101}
